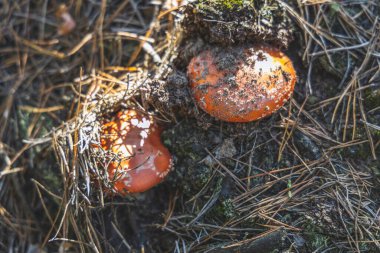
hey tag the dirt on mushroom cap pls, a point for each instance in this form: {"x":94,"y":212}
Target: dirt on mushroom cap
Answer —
{"x":241,"y":84}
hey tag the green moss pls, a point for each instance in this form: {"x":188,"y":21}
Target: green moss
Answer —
{"x":339,"y":62}
{"x":224,"y":210}
{"x":229,"y":4}
{"x":196,"y":177}
{"x":226,"y":4}
{"x":314,"y":235}
{"x":372,"y":99}
{"x":50,"y":179}
{"x":228,"y":209}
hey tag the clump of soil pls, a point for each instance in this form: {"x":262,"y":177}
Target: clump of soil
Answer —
{"x":210,"y":23}
{"x":172,"y":95}
{"x":229,"y":22}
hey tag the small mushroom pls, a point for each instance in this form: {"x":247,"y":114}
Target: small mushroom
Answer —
{"x":241,"y":84}
{"x":68,"y":24}
{"x":144,"y":160}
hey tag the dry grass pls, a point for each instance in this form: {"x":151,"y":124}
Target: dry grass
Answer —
{"x":305,"y":178}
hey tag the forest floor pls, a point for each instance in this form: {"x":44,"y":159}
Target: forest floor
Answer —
{"x":306,"y":179}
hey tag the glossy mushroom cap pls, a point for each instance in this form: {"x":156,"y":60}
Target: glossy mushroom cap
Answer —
{"x":144,"y":160}
{"x":241,"y":84}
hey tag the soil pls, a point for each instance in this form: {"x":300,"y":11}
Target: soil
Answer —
{"x":200,"y":142}
{"x":224,"y":23}
{"x":197,"y":139}
{"x":285,"y":183}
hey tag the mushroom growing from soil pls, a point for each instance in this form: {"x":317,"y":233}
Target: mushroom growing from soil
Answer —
{"x":241,"y":84}
{"x":143,"y":160}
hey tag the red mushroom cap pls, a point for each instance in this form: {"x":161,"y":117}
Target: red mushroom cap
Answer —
{"x":241,"y":84}
{"x":145,"y":161}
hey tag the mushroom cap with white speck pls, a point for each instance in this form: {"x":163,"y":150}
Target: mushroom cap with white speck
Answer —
{"x":241,"y":84}
{"x":144,"y":160}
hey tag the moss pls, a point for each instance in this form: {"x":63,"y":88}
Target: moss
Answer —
{"x":228,"y":4}
{"x":372,"y":99}
{"x":46,"y":172}
{"x":357,"y":152}
{"x":197,"y":177}
{"x":223,"y":210}
{"x":315,"y":238}
{"x":50,"y":179}
{"x":183,"y":147}
{"x":339,"y":62}
{"x":228,"y":209}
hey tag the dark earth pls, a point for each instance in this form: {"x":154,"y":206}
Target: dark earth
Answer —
{"x":231,"y":181}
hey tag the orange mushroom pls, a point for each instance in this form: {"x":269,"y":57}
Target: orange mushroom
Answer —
{"x":144,"y":160}
{"x":68,"y":24}
{"x":241,"y":84}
